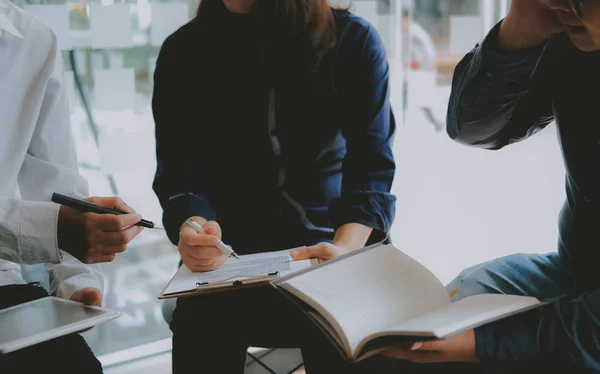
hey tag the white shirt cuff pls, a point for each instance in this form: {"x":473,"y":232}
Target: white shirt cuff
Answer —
{"x":71,"y":276}
{"x":68,"y":287}
{"x":37,"y":233}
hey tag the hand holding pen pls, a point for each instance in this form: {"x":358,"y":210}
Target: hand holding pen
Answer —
{"x":94,"y":230}
{"x":200,"y":245}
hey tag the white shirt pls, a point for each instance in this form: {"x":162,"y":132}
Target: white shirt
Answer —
{"x":37,"y":155}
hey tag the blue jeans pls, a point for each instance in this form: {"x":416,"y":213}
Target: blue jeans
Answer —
{"x":543,"y":276}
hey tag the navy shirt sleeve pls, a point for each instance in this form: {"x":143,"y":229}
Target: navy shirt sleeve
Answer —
{"x":181,"y":189}
{"x":369,"y":128}
{"x":498,"y":98}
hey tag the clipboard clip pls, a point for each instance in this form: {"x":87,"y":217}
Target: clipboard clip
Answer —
{"x":237,"y":283}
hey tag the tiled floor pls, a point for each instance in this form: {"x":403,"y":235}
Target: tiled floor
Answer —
{"x":280,"y":361}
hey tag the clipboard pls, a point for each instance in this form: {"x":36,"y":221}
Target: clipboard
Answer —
{"x":207,"y":287}
{"x":252,"y":270}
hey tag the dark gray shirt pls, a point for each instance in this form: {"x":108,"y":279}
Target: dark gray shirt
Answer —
{"x":498,"y":99}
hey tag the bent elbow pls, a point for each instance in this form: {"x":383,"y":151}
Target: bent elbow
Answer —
{"x":481,"y":131}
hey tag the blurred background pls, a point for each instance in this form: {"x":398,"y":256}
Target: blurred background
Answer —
{"x":457,"y":206}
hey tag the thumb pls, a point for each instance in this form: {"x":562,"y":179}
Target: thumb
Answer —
{"x":425,"y":346}
{"x":319,"y":251}
{"x":212,"y":228}
{"x":303,"y":253}
{"x":90,"y":296}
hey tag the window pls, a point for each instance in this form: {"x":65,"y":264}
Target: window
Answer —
{"x":458,"y":206}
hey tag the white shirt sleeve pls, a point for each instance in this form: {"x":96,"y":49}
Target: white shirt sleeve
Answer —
{"x":72,"y":275}
{"x":51,"y":166}
{"x":28,"y":232}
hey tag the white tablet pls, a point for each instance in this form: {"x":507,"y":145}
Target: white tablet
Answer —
{"x":47,"y":318}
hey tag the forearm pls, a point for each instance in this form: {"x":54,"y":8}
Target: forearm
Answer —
{"x":514,"y":36}
{"x":352,"y":236}
{"x":492,"y":102}
{"x":181,"y":189}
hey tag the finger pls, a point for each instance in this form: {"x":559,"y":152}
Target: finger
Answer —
{"x":204,"y":253}
{"x":396,"y":352}
{"x":202,"y":262}
{"x":110,"y":222}
{"x":194,"y":239}
{"x":121,"y":206}
{"x":196,"y":266}
{"x":112,"y":202}
{"x":212,"y":228}
{"x":425,"y":357}
{"x":110,"y":249}
{"x":91,"y":297}
{"x":128,"y":220}
{"x":118,"y":237}
{"x":415,"y":356}
{"x":318,"y":251}
{"x":202,"y":269}
{"x":300,"y":253}
{"x":101,"y":258}
{"x":434,"y":345}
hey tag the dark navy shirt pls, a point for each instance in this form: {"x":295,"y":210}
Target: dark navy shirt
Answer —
{"x":498,"y":99}
{"x":278,"y":154}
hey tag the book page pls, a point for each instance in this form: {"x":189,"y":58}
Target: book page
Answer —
{"x":369,"y":292}
{"x":247,"y":266}
{"x":467,"y":313}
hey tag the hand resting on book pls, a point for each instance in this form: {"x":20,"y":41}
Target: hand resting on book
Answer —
{"x":348,"y":237}
{"x":318,"y":253}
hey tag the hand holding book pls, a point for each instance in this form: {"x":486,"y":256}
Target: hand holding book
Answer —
{"x":378,"y":299}
{"x":458,"y":348}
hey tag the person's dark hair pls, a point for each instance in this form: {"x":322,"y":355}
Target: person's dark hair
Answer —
{"x":308,"y":23}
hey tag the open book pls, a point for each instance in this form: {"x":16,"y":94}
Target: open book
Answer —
{"x":377,"y":297}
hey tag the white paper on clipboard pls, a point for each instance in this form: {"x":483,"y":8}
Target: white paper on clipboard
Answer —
{"x":257,"y":265}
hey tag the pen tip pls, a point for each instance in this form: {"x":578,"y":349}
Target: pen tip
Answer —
{"x":157,"y":227}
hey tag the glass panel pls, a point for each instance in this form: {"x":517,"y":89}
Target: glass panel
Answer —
{"x":458,"y":205}
{"x":110,"y":49}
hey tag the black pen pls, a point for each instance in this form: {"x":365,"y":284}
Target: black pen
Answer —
{"x":88,"y":207}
